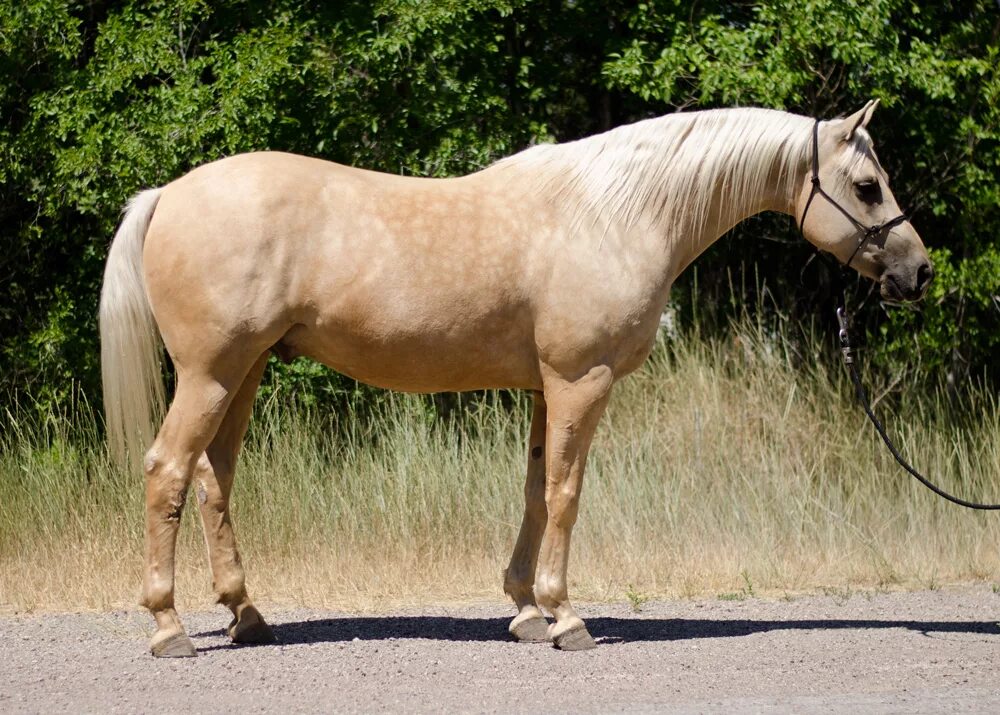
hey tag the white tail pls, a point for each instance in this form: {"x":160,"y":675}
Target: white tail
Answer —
{"x":130,"y":340}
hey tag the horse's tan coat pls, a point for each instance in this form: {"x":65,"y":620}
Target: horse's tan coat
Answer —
{"x":370,"y":274}
{"x":509,"y":277}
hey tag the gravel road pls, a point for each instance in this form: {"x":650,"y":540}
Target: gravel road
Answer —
{"x":935,"y":651}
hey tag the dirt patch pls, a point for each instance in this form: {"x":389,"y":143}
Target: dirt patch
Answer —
{"x":883,"y":652}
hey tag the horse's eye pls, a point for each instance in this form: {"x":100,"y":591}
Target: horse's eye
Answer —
{"x":868,"y":191}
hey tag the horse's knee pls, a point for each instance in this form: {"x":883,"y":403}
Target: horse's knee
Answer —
{"x":562,"y":507}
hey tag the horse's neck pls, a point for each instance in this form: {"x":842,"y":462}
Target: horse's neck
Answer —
{"x":726,"y":207}
{"x":673,"y":186}
{"x":723,"y":212}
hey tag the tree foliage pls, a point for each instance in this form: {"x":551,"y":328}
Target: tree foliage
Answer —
{"x":935,"y":68}
{"x":101,"y":98}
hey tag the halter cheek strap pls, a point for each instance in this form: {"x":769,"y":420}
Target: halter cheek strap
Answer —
{"x":867,"y":233}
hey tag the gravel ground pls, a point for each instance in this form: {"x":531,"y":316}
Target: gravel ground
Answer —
{"x":936,"y":651}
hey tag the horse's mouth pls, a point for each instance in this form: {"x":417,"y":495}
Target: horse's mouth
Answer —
{"x":893,"y":292}
{"x":890,"y":289}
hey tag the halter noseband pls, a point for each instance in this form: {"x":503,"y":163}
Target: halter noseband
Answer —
{"x":867,"y":233}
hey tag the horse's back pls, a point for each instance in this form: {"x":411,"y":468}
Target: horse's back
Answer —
{"x":367,"y":272}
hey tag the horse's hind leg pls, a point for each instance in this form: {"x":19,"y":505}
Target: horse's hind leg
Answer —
{"x":519,"y":579}
{"x":198,"y":407}
{"x":213,"y":483}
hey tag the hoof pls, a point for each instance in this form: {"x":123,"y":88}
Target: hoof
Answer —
{"x":177,"y":645}
{"x":574,"y":639}
{"x":255,"y":632}
{"x":530,"y":630}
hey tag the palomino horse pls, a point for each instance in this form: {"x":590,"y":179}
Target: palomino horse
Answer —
{"x":547,"y":271}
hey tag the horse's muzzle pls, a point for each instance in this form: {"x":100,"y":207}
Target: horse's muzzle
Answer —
{"x":907,"y":283}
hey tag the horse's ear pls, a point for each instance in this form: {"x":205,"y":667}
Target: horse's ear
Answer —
{"x":859,"y":119}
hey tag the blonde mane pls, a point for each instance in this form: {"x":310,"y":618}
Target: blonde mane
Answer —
{"x":665,"y":172}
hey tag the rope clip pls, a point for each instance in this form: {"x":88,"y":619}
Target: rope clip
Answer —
{"x":845,"y":338}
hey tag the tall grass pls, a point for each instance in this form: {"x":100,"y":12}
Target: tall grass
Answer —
{"x":724,"y":462}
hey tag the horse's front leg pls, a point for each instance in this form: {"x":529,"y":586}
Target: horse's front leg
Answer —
{"x":574,"y":409}
{"x":530,"y":626}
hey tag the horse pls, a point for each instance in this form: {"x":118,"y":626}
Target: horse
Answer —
{"x":546,"y":271}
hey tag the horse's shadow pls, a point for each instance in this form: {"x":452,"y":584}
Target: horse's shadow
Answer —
{"x":607,"y":629}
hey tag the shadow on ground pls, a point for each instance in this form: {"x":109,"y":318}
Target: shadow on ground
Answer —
{"x":446,"y":628}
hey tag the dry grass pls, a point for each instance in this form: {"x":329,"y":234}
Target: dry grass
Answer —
{"x":729,"y":465}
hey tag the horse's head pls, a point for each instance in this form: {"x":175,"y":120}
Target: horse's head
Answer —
{"x":845,"y":207}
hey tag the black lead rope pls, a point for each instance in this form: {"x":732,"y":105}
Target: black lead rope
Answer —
{"x":847,"y":351}
{"x":868,"y":234}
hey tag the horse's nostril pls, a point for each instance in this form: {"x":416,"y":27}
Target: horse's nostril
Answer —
{"x":925,"y":273}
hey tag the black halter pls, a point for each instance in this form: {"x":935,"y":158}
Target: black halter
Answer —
{"x":867,"y":233}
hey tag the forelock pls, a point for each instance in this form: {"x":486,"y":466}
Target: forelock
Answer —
{"x":858,"y":153}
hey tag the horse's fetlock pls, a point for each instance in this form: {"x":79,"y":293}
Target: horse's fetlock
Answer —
{"x":515,"y":582}
{"x":550,"y":591}
{"x":230,"y":590}
{"x":157,"y":595}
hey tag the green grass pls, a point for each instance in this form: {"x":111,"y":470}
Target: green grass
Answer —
{"x":729,"y":465}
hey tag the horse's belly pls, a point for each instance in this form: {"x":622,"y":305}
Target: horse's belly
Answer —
{"x":430,"y":361}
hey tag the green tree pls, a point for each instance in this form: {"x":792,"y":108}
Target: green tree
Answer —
{"x":101,"y":98}
{"x":936,"y":69}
